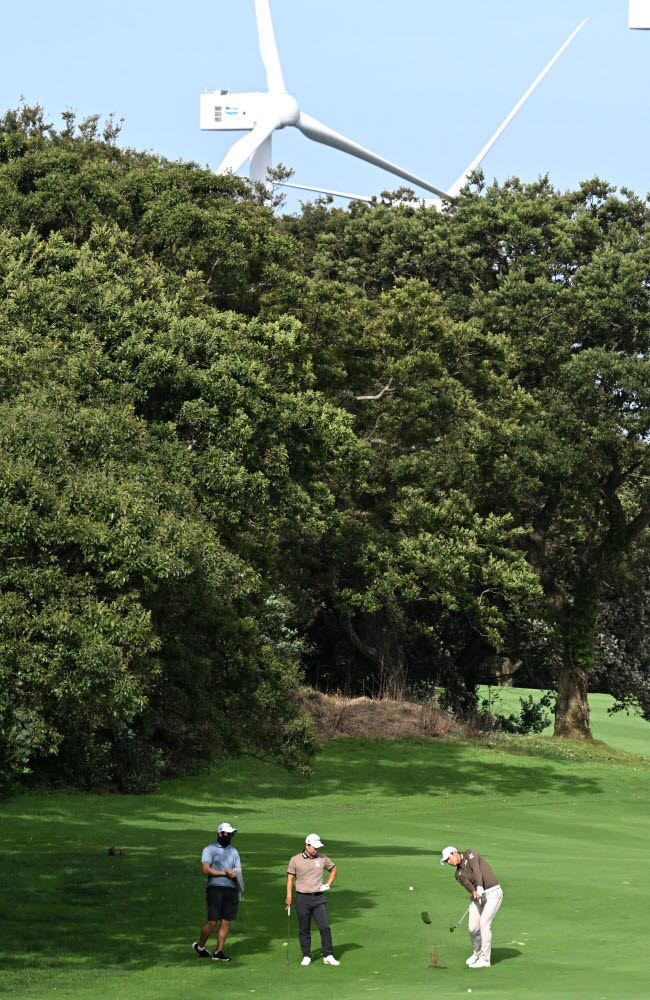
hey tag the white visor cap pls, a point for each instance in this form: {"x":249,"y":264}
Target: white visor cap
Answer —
{"x":446,"y":854}
{"x":314,"y":840}
{"x":227,"y":828}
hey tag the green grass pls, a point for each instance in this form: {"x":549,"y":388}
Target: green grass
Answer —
{"x":568,"y":839}
{"x":626,"y":732}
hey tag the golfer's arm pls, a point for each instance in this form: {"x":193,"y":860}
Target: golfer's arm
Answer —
{"x":466,"y":884}
{"x":332,"y":875}
{"x":207,"y":870}
{"x":290,"y":879}
{"x":476,"y":872}
{"x":476,"y":869}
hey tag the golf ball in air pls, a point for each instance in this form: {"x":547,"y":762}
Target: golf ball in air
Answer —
{"x":411,"y":888}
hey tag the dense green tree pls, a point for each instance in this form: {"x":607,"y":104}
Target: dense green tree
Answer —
{"x":552,"y":437}
{"x":155,"y":452}
{"x":68,"y":181}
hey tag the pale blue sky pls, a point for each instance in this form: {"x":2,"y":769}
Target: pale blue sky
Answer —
{"x":421,"y":82}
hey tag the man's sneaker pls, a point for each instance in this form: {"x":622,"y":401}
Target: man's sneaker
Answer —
{"x":220,"y":957}
{"x":473,"y":959}
{"x":306,"y":960}
{"x":330,"y":960}
{"x":480,"y":963}
{"x":201,"y":952}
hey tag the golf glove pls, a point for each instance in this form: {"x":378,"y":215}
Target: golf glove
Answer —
{"x":324,"y":887}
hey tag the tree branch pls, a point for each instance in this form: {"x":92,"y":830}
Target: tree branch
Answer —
{"x":387,"y":388}
{"x":637,"y":525}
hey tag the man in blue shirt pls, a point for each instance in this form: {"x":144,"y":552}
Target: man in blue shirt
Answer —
{"x":220,"y":862}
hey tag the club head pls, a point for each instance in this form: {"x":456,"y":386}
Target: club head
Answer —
{"x":425,"y":916}
{"x":452,"y":928}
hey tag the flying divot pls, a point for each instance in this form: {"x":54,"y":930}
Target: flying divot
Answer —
{"x":262,"y":114}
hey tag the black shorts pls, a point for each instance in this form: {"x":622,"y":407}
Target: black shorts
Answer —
{"x":223,"y":902}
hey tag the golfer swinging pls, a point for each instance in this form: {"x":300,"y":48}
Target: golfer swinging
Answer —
{"x":220,"y":862}
{"x":307,"y":869}
{"x":474,"y":873}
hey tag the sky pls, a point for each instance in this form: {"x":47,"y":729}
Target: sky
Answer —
{"x":423,"y":83}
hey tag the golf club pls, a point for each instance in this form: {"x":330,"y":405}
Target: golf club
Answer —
{"x":286,"y":954}
{"x":452,"y":927}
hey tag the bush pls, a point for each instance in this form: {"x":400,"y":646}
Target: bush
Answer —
{"x":531,"y":718}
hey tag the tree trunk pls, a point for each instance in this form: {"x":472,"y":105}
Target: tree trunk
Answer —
{"x":381,"y":644}
{"x":579,"y":627}
{"x":572,"y":707}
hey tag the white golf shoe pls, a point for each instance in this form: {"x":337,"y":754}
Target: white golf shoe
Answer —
{"x":330,"y":960}
{"x":306,"y":960}
{"x":473,"y":958}
{"x":480,"y":963}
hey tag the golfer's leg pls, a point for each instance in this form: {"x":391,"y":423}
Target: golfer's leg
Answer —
{"x":320,"y":916}
{"x":206,"y":932}
{"x":304,"y":920}
{"x":222,"y":934}
{"x":474,"y":926}
{"x":490,"y":907}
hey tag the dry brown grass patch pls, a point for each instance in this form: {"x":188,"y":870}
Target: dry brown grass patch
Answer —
{"x":336,"y":717}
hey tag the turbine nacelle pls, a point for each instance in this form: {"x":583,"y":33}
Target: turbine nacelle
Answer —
{"x":222,"y":111}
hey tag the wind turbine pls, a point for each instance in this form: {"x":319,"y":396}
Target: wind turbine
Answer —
{"x":261,"y":114}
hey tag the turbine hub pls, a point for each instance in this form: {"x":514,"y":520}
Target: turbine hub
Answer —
{"x":287,"y":109}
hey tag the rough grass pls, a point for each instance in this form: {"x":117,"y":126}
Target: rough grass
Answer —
{"x":337,"y":717}
{"x":533,"y":745}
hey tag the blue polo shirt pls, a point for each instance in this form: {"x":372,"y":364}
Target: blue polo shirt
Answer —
{"x":220,"y":858}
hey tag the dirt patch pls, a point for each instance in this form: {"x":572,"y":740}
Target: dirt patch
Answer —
{"x":336,"y":717}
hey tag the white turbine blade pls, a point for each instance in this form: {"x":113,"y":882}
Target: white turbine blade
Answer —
{"x":427,"y":202}
{"x":335,"y":194}
{"x":245,"y":147}
{"x":261,"y":160}
{"x":462,"y":180}
{"x":321,"y":133}
{"x":268,"y":48}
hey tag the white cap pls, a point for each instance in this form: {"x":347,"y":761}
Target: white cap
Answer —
{"x":446,"y":854}
{"x":313,"y":840}
{"x":227,"y":828}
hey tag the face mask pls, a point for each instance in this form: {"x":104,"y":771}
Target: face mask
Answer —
{"x":224,"y":839}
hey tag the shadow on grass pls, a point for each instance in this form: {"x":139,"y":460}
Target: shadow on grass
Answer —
{"x":503,"y":955}
{"x":360,"y":767}
{"x":82,"y":908}
{"x":346,"y":946}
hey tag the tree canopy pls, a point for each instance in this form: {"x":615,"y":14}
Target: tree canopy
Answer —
{"x":382,"y":445}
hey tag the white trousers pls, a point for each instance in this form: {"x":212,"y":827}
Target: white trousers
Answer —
{"x":481,"y":916}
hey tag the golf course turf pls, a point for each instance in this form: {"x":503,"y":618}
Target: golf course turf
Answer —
{"x":568,"y":838}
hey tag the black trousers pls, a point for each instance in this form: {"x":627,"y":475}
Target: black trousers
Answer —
{"x":313,"y":906}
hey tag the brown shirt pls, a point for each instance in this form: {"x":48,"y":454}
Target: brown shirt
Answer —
{"x":473,"y":871}
{"x":309,"y":871}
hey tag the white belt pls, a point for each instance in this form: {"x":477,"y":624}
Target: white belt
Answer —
{"x":492,"y":888}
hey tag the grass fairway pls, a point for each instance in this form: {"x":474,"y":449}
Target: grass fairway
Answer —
{"x":568,"y":839}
